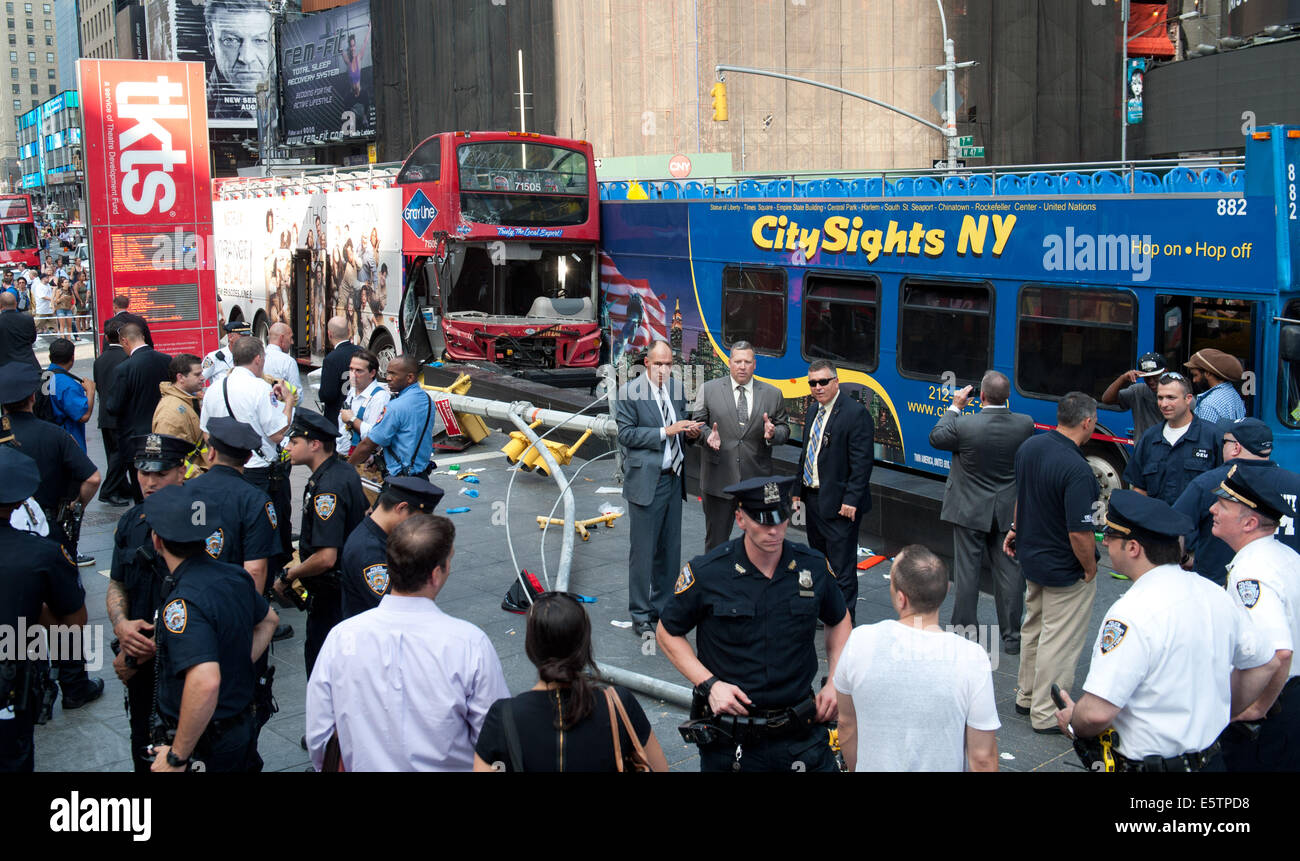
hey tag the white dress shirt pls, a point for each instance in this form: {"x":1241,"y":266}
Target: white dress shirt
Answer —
{"x":661,"y":397}
{"x":405,"y":686}
{"x":252,"y":402}
{"x":282,"y":366}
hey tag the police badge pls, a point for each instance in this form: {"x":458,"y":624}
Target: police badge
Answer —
{"x":1111,"y":634}
{"x":214,"y":543}
{"x":1248,"y":591}
{"x":805,"y":579}
{"x":270,"y":515}
{"x":771,"y":493}
{"x":376,"y":577}
{"x":174,"y":616}
{"x":153,"y":445}
{"x":324,"y":505}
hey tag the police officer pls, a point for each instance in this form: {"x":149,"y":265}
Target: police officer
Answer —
{"x":1247,"y":442}
{"x":333,"y":504}
{"x":212,"y":625}
{"x":365,"y":555}
{"x":47,"y":576}
{"x":1172,"y":453}
{"x":67,"y":477}
{"x":135,"y":587}
{"x":754,"y":602}
{"x":219,"y":362}
{"x":1263,"y":578}
{"x":405,"y":433}
{"x":1173,"y":656}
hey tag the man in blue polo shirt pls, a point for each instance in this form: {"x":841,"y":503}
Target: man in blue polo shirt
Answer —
{"x":72,"y":398}
{"x":1249,"y":442}
{"x":1171,"y":454}
{"x":405,"y":432}
{"x":1052,"y":536}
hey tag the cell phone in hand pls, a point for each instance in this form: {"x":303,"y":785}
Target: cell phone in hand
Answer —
{"x":1056,"y":696}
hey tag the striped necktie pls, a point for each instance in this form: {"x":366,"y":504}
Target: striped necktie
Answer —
{"x":668,"y":419}
{"x":814,"y":446}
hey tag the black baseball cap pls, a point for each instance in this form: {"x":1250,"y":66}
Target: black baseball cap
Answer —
{"x":1254,"y":436}
{"x":1151,"y":365}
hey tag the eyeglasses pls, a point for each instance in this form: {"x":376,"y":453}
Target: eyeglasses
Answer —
{"x":1171,"y":375}
{"x":1226,"y":441}
{"x":817,"y":384}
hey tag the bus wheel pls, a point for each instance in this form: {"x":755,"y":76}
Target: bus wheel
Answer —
{"x":1107,"y":470}
{"x":382,"y":346}
{"x":260,"y":329}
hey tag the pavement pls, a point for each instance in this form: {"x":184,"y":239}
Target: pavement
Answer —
{"x":96,"y":737}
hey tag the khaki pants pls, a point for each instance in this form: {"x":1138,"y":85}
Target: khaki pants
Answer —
{"x":1051,"y":640}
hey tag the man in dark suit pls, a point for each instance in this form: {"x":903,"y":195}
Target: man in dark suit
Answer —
{"x":743,"y":419}
{"x":835,"y":469}
{"x":135,"y":395}
{"x":122,"y":317}
{"x":651,"y":421}
{"x":980,"y":501}
{"x":17,"y":333}
{"x":114,"y":490}
{"x":334,"y":368}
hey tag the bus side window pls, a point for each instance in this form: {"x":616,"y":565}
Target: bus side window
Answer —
{"x":944,"y":328}
{"x":1192,"y":323}
{"x":841,"y":317}
{"x":754,"y":308}
{"x":1068,"y":339}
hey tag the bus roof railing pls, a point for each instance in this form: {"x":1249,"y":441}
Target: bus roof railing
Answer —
{"x":309,"y":180}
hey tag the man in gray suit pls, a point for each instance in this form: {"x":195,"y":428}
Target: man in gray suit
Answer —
{"x":744,"y":418}
{"x":980,"y":500}
{"x":651,"y":420}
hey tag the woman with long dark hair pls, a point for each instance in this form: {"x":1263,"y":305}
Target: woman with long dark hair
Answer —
{"x":563,"y":722}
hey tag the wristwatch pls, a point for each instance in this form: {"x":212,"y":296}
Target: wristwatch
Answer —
{"x":175,"y":761}
{"x":705,"y":686}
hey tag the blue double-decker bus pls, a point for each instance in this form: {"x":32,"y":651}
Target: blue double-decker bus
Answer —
{"x":915,"y":285}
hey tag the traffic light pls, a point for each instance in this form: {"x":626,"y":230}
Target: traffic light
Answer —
{"x":719,"y":94}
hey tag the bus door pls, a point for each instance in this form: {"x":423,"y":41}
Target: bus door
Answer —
{"x":420,"y":314}
{"x":1185,"y":324}
{"x":302,"y":313}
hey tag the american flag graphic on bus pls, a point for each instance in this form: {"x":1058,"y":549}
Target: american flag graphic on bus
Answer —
{"x":636,"y":315}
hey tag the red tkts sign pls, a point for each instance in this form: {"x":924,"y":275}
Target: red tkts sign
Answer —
{"x":150,"y":194}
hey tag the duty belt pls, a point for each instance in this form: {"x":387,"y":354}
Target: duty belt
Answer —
{"x":767,"y":723}
{"x":1187,"y":762}
{"x":215,"y":729}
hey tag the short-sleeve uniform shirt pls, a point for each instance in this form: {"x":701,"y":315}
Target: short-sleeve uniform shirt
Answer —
{"x":140,"y":573}
{"x":62,"y":464}
{"x":333,"y":504}
{"x":751,"y":631}
{"x":1055,"y":492}
{"x":1264,"y":579}
{"x":1162,"y":471}
{"x":216,"y":365}
{"x":251,"y":400}
{"x":47,"y":576}
{"x":209,"y":617}
{"x":399,"y":431}
{"x":1165,"y":655}
{"x":364,"y":569}
{"x":248,"y":517}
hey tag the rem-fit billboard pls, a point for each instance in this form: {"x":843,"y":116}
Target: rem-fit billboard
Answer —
{"x":328,"y":76}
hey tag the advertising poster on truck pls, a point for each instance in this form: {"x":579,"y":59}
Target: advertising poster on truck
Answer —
{"x":149,"y":192}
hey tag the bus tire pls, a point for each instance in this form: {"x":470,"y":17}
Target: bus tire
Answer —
{"x":1108,"y":466}
{"x":382,"y":346}
{"x":260,"y":328}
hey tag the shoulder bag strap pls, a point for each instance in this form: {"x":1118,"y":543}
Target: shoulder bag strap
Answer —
{"x":427,"y":415}
{"x":643,"y":760}
{"x":512,"y":736}
{"x":225,"y":393}
{"x":610,"y":698}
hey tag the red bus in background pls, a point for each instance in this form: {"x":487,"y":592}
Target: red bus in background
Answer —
{"x":499,"y":246}
{"x":18,"y":243}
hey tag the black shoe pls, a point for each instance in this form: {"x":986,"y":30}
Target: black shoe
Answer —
{"x":1011,"y":647}
{"x":302,"y":742}
{"x":1050,"y":730}
{"x":84,"y":561}
{"x":282,"y":632}
{"x":641,"y":629}
{"x":94,"y":690}
{"x":1022,"y":710}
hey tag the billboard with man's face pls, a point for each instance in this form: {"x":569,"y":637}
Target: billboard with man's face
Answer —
{"x":235,"y":41}
{"x":328,"y":81}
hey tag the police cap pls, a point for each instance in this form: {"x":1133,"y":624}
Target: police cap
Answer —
{"x":1257,"y":488}
{"x":1129,"y":514}
{"x":22,"y":476}
{"x":1150,"y":365}
{"x":419,"y":493}
{"x":1254,"y":436}
{"x":238,"y":327}
{"x":178,"y":513}
{"x":17,"y":381}
{"x":234,"y":433}
{"x":765,"y":498}
{"x":156,"y":452}
{"x":312,"y":425}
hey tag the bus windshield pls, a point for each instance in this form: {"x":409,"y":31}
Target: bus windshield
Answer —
{"x":19,"y":237}
{"x":522,"y":184}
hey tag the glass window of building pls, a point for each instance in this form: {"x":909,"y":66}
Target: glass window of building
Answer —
{"x":9,"y":8}
{"x":45,"y":7}
{"x":18,"y":104}
{"x":27,"y":7}
{"x":49,"y":56}
{"x":49,"y":73}
{"x":13,"y":58}
{"x":17,"y":89}
{"x":11,"y":23}
{"x":31,"y":56}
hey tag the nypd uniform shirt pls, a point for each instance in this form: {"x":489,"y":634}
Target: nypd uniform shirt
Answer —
{"x":254,"y":404}
{"x":47,"y":575}
{"x":1264,"y":578}
{"x":282,"y":366}
{"x":216,"y":365}
{"x":62,"y":464}
{"x":1165,"y":655}
{"x":1162,"y":471}
{"x":751,"y":631}
{"x":248,"y":517}
{"x":209,"y":617}
{"x":364,"y":568}
{"x":333,"y":504}
{"x":141,"y":574}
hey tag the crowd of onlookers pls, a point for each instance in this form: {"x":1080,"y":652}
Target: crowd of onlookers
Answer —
{"x":58,"y":294}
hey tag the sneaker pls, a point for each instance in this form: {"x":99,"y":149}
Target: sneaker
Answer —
{"x":84,"y":561}
{"x":282,"y":632}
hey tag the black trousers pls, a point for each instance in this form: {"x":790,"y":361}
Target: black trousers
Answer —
{"x":114,"y":483}
{"x":969,"y":549}
{"x":131,"y":482}
{"x":837,"y":538}
{"x":1278,"y":746}
{"x":274,"y":481}
{"x":231,"y":750}
{"x":323,"y":613}
{"x":139,"y":709}
{"x":806,"y":751}
{"x":719,"y":517}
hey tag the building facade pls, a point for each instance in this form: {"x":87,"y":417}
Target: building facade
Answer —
{"x":33,"y":75}
{"x":67,"y":41}
{"x":50,"y":157}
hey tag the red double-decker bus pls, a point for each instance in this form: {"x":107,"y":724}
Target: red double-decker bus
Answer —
{"x":18,"y":244}
{"x":499,"y":245}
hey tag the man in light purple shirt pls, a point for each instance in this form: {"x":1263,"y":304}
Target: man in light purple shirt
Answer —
{"x":405,"y":686}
